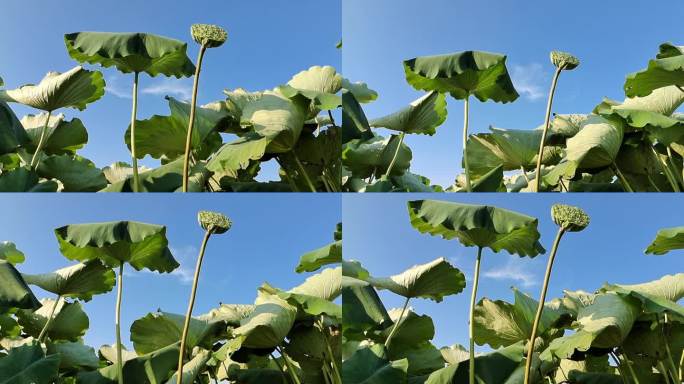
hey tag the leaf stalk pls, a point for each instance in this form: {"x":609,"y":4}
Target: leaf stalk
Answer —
{"x":191,"y":123}
{"x":547,"y":123}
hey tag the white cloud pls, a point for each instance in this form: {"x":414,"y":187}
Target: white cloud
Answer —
{"x":181,"y":89}
{"x":515,"y":270}
{"x":529,"y":80}
{"x":122,"y":87}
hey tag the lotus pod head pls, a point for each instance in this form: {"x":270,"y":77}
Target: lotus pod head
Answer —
{"x":564,"y":60}
{"x":208,"y":35}
{"x":571,"y":219}
{"x":214,"y":221}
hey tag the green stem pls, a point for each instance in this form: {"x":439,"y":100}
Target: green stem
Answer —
{"x":466,"y":103}
{"x":547,"y":123}
{"x":676,"y":175}
{"x":290,"y":367}
{"x":303,"y":171}
{"x":134,"y":115}
{"x":280,"y":367}
{"x":332,"y":120}
{"x":674,"y":372}
{"x":191,"y":304}
{"x":117,"y":322}
{"x":333,"y":362}
{"x":43,"y":332}
{"x":191,"y":123}
{"x":396,"y":155}
{"x":35,"y":160}
{"x":540,"y":306}
{"x":396,"y":324}
{"x":628,"y":362}
{"x":681,"y":366}
{"x":327,"y":375}
{"x":663,"y":371}
{"x":622,"y":178}
{"x":618,"y":365}
{"x":666,"y":170}
{"x":522,"y":168}
{"x":471,"y":318}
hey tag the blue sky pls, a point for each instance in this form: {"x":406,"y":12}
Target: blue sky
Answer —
{"x":377,"y":232}
{"x":264,"y":245}
{"x":268,"y":42}
{"x":612,"y":39}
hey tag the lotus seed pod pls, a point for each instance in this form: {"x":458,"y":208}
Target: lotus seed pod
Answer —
{"x":214,"y":221}
{"x":564,"y":60}
{"x":570,"y":218}
{"x":209,"y":35}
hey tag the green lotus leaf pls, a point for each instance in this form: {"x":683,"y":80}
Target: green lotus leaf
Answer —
{"x":14,"y":293}
{"x":193,"y":368}
{"x":238,"y":155}
{"x":491,"y":181}
{"x":28,"y":364}
{"x":462,"y":74}
{"x":647,"y":345}
{"x":74,"y":356}
{"x":10,"y":253}
{"x":277,"y":117}
{"x":23,"y":179}
{"x":668,"y":287}
{"x":9,"y":327}
{"x":477,"y":225}
{"x":663,"y":101}
{"x":139,"y":244}
{"x":164,"y":136}
{"x":312,"y":261}
{"x":514,"y":148}
{"x":494,"y":367}
{"x":231,"y":314}
{"x":373,"y":156}
{"x":77,"y":174}
{"x":72,"y":89}
{"x":108,"y":353}
{"x":317,"y":84}
{"x":12,"y":133}
{"x":160,"y":329}
{"x":311,"y":303}
{"x":455,"y":354}
{"x":153,"y":367}
{"x":371,"y":365}
{"x":307,"y":346}
{"x":564,"y":126}
{"x":354,"y":122}
{"x":578,"y":377}
{"x":432,"y":280}
{"x":363,"y":309}
{"x":597,"y":144}
{"x":666,"y":70}
{"x":61,"y":136}
{"x":166,"y":178}
{"x":268,"y":325}
{"x":81,"y":281}
{"x":360,"y":90}
{"x":422,"y":116}
{"x":412,"y":330}
{"x":69,"y":322}
{"x":501,"y":324}
{"x":667,"y":239}
{"x":131,"y":52}
{"x":326,"y":285}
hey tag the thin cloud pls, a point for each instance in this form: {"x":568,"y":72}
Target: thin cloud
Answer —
{"x":116,"y":87}
{"x":182,"y":89}
{"x":529,"y":80}
{"x":513,"y":270}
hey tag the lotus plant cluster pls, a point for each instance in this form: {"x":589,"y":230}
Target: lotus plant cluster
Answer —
{"x":219,"y":146}
{"x":285,"y":337}
{"x":622,"y":334}
{"x":634,"y":145}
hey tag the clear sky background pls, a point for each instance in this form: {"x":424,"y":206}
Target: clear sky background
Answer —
{"x":611,"y":39}
{"x":377,"y":232}
{"x":264,"y":245}
{"x":268,"y":42}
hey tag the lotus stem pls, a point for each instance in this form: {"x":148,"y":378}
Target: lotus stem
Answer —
{"x":396,"y":154}
{"x":670,"y":158}
{"x":332,"y":120}
{"x":622,"y":178}
{"x":666,"y":170}
{"x":681,"y":366}
{"x":280,"y":367}
{"x":35,"y":160}
{"x":117,"y":322}
{"x":547,"y":123}
{"x":396,"y":324}
{"x":471,"y":321}
{"x":134,"y":115}
{"x":302,"y":170}
{"x":664,"y":371}
{"x":333,"y":362}
{"x":191,"y":123}
{"x":43,"y":332}
{"x":466,"y":103}
{"x":540,"y":306}
{"x":191,"y":304}
{"x":290,"y":367}
{"x":628,"y":362}
{"x":674,"y":372}
{"x":618,"y":364}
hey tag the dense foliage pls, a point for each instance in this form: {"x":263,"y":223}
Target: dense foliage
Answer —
{"x":619,"y":333}
{"x":287,"y":336}
{"x":219,"y":146}
{"x":632,"y":145}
